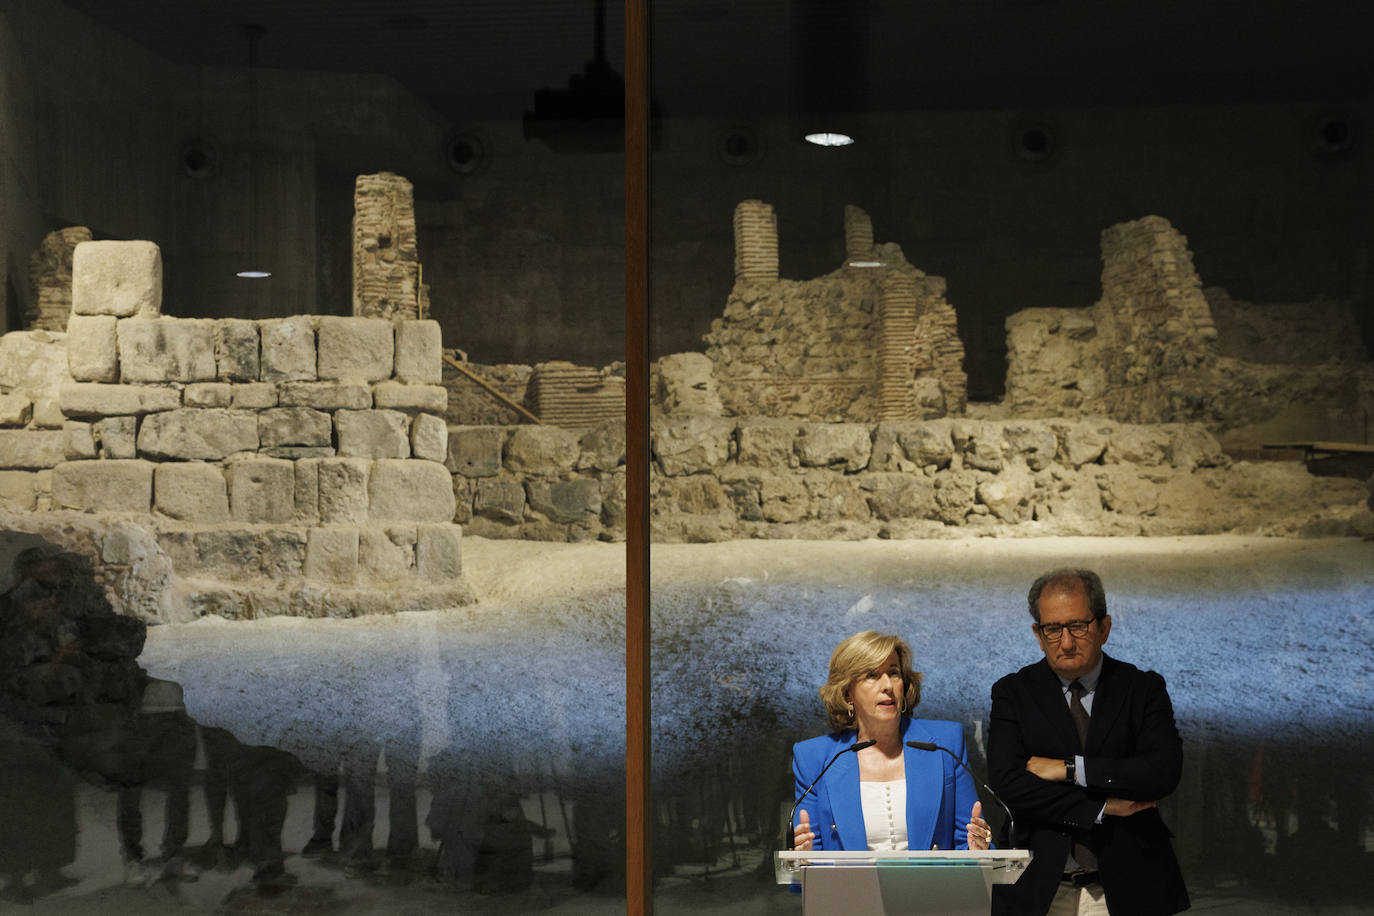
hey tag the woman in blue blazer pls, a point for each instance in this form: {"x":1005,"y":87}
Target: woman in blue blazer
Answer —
{"x":887,"y":795}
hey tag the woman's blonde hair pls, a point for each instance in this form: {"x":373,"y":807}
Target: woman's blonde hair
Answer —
{"x":855,"y":657}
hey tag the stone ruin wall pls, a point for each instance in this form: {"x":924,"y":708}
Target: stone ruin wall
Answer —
{"x":306,"y":449}
{"x":859,"y":344}
{"x":50,"y":279}
{"x":387,"y":275}
{"x":716,"y":479}
{"x":1151,"y":350}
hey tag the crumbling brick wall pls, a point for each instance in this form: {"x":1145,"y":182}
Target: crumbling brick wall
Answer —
{"x":386,"y":259}
{"x":874,"y":339}
{"x":50,"y":276}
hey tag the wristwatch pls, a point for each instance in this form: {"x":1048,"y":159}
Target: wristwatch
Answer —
{"x":1070,"y":769}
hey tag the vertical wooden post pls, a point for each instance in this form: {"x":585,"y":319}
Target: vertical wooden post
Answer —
{"x":638,"y":873}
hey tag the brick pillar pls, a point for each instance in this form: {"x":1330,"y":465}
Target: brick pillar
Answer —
{"x":756,"y":241}
{"x":386,"y":261}
{"x":858,"y":234}
{"x":896,"y":337}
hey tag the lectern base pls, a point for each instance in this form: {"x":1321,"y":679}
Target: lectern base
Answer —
{"x":927,"y":890}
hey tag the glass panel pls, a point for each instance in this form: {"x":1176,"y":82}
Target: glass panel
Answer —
{"x":300,"y":608}
{"x":900,"y":377}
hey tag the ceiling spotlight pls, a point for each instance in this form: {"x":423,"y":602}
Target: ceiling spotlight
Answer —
{"x":829,"y":139}
{"x":254,"y":274}
{"x":865,"y":264}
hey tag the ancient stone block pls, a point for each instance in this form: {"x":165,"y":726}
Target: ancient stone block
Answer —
{"x":331,"y":554}
{"x":381,"y":557}
{"x":956,"y":493}
{"x":463,"y":488}
{"x":439,"y":551}
{"x":81,"y":442}
{"x":116,"y":437}
{"x":282,"y":553}
{"x":233,"y":550}
{"x":1035,"y":441}
{"x":324,"y":395}
{"x":766,"y":443}
{"x":92,"y":352}
{"x":15,"y":410}
{"x":261,"y":490}
{"x":603,"y":446}
{"x":1192,"y":446}
{"x":400,"y":396}
{"x":410,"y":490}
{"x":308,"y":491}
{"x":372,"y":433}
{"x":429,"y":437}
{"x":1009,"y":494}
{"x":838,"y":498}
{"x":32,"y":448}
{"x":475,"y":451}
{"x":840,"y":445}
{"x":88,"y":399}
{"x":197,"y":434}
{"x":237,"y":344}
{"x":687,"y":385}
{"x":104,"y":486}
{"x":980,"y":443}
{"x":253,"y":395}
{"x":356,"y":348}
{"x":117,"y":278}
{"x":47,"y":414}
{"x":419,"y":352}
{"x":288,"y":350}
{"x":1144,"y":445}
{"x":565,"y":500}
{"x":1081,"y":442}
{"x":541,"y":450}
{"x":687,"y":445}
{"x":293,"y":426}
{"x":896,"y":495}
{"x":32,"y":361}
{"x":166,"y":350}
{"x":208,"y":394}
{"x":18,"y":490}
{"x":343,"y":497}
{"x":613,"y":505}
{"x":502,"y":500}
{"x":783,"y":498}
{"x":191,"y":491}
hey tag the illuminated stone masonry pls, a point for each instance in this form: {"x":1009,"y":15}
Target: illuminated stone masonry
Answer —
{"x":1159,"y":348}
{"x":284,"y":466}
{"x":873,"y":340}
{"x":717,"y":479}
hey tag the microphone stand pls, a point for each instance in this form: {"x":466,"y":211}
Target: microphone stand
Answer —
{"x":932,"y":746}
{"x":856,"y":746}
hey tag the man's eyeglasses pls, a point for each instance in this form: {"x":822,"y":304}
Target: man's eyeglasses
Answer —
{"x":1077,"y":629}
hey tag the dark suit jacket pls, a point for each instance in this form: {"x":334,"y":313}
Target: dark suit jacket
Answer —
{"x":939,"y":793}
{"x":1133,"y":751}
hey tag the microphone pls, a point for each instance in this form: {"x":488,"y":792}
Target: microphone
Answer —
{"x":792,"y":834}
{"x":932,"y":746}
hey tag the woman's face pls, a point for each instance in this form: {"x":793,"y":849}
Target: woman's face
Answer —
{"x":877,"y":695}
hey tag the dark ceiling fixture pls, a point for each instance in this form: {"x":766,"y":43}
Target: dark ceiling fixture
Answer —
{"x":588,"y":116}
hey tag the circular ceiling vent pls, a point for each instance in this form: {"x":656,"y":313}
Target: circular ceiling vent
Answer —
{"x":197,"y":159}
{"x":740,"y":146}
{"x":1336,"y":134}
{"x":467,"y":153}
{"x":1035,"y":141}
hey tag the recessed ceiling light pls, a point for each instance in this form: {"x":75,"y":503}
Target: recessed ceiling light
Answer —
{"x":865,"y":263}
{"x":826,"y":138}
{"x":254,"y":274}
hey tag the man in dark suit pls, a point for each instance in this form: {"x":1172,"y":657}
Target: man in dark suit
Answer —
{"x":1081,"y":747}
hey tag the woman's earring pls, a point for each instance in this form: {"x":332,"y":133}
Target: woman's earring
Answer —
{"x":903,"y":709}
{"x":850,"y":708}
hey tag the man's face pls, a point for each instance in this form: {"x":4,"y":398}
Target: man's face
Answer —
{"x":1071,"y":656}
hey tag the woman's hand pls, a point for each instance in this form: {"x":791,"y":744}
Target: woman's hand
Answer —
{"x":979,"y":833}
{"x":802,"y":835}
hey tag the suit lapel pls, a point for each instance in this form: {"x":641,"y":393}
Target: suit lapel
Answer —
{"x":1108,"y":700}
{"x":1048,"y":694}
{"x":924,"y":769}
{"x":845,"y":802}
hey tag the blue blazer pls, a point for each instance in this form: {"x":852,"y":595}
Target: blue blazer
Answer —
{"x":939,"y":793}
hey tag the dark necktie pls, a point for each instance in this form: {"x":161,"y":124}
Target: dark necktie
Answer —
{"x":1081,"y":853}
{"x":1079,"y":712}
